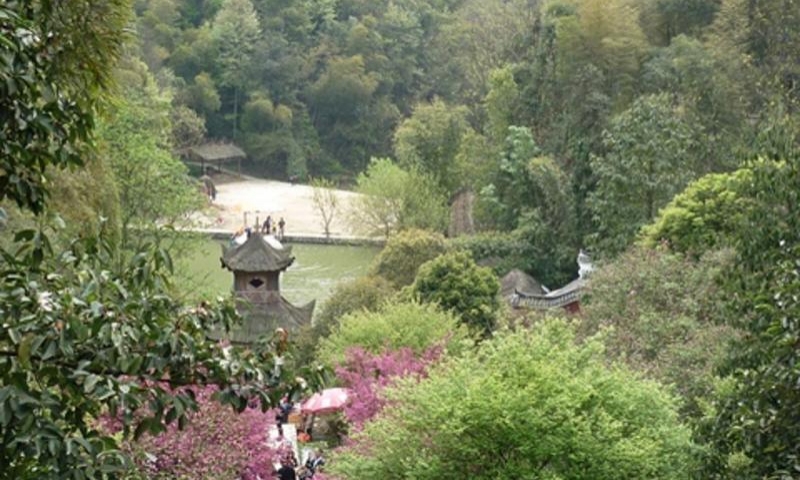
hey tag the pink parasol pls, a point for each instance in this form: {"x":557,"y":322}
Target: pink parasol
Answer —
{"x":326,"y":401}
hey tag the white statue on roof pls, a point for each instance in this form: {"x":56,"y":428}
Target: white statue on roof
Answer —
{"x":585,"y":266}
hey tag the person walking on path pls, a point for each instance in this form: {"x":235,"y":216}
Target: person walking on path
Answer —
{"x":286,"y":472}
{"x":267,"y":227}
{"x":281,"y":225}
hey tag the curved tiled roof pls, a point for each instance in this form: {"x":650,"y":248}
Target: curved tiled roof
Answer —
{"x":565,"y":295}
{"x":517,"y":280}
{"x":257,"y":254}
{"x":261,"y":316}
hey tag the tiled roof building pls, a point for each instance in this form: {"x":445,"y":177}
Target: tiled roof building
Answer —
{"x":256,"y":265}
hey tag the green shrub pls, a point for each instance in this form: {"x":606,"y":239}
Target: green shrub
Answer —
{"x":404,"y":253}
{"x":394,"y":326}
{"x":704,"y":216}
{"x":455,"y":283}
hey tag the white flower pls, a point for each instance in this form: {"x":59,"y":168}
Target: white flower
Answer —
{"x":45,"y":300}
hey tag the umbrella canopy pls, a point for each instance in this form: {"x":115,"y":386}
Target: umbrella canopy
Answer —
{"x":326,"y":401}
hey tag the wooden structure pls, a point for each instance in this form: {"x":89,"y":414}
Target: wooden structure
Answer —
{"x":218,"y":153}
{"x":257,"y":265}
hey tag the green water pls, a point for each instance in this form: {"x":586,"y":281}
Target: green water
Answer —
{"x":313,"y":275}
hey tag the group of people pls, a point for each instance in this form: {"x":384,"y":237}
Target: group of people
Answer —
{"x":289,"y":467}
{"x":290,"y":470}
{"x":269,"y":227}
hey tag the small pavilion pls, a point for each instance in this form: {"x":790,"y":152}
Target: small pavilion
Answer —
{"x":257,"y":265}
{"x":218,"y":153}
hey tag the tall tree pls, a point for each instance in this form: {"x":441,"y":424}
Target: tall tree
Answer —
{"x":429,"y":140}
{"x":754,"y":427}
{"x":235,"y":32}
{"x":393,"y":199}
{"x":135,"y":138}
{"x":663,"y":20}
{"x":649,"y":158}
{"x":706,"y":85}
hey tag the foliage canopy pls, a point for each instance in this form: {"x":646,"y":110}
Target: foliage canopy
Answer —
{"x":532,"y":402}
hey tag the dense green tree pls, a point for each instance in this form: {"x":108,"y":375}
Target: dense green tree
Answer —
{"x":403,"y":254}
{"x":235,"y":31}
{"x":158,"y":29}
{"x":202,"y":95}
{"x":663,"y":20}
{"x":504,"y":199}
{"x":338,"y":99}
{"x":188,"y":128}
{"x":648,"y":159}
{"x":456,"y":284}
{"x":478,"y":38}
{"x":705,"y":83}
{"x":531,"y":403}
{"x":663,"y":317}
{"x":501,"y":102}
{"x":365,"y":293}
{"x":87,"y":199}
{"x":605,"y":34}
{"x":268,"y":137}
{"x":766,"y":34}
{"x":754,"y":426}
{"x":49,"y":90}
{"x":530,"y":194}
{"x":135,"y":140}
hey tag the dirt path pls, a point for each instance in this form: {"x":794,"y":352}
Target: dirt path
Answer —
{"x":260,"y":198}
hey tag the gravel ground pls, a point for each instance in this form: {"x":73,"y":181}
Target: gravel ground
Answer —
{"x":259,"y":198}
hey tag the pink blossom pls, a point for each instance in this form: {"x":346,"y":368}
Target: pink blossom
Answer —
{"x":368,"y":374}
{"x":216,"y":442}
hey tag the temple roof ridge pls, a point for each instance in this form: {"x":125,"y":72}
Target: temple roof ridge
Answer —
{"x":258,"y":254}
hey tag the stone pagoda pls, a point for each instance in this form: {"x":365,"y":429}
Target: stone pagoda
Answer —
{"x":257,"y":265}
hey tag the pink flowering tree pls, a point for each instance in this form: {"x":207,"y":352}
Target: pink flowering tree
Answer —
{"x":367,"y":374}
{"x":214,"y":443}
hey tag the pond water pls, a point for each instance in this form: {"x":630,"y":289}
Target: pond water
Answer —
{"x":313,"y":275}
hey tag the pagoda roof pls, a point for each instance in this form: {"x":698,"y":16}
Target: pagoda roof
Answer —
{"x":258,"y":254}
{"x":259,"y":320}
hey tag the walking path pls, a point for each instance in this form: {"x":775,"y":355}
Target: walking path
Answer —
{"x":289,"y":436}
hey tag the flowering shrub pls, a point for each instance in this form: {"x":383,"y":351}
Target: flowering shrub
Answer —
{"x":216,"y":443}
{"x":366,"y":374}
